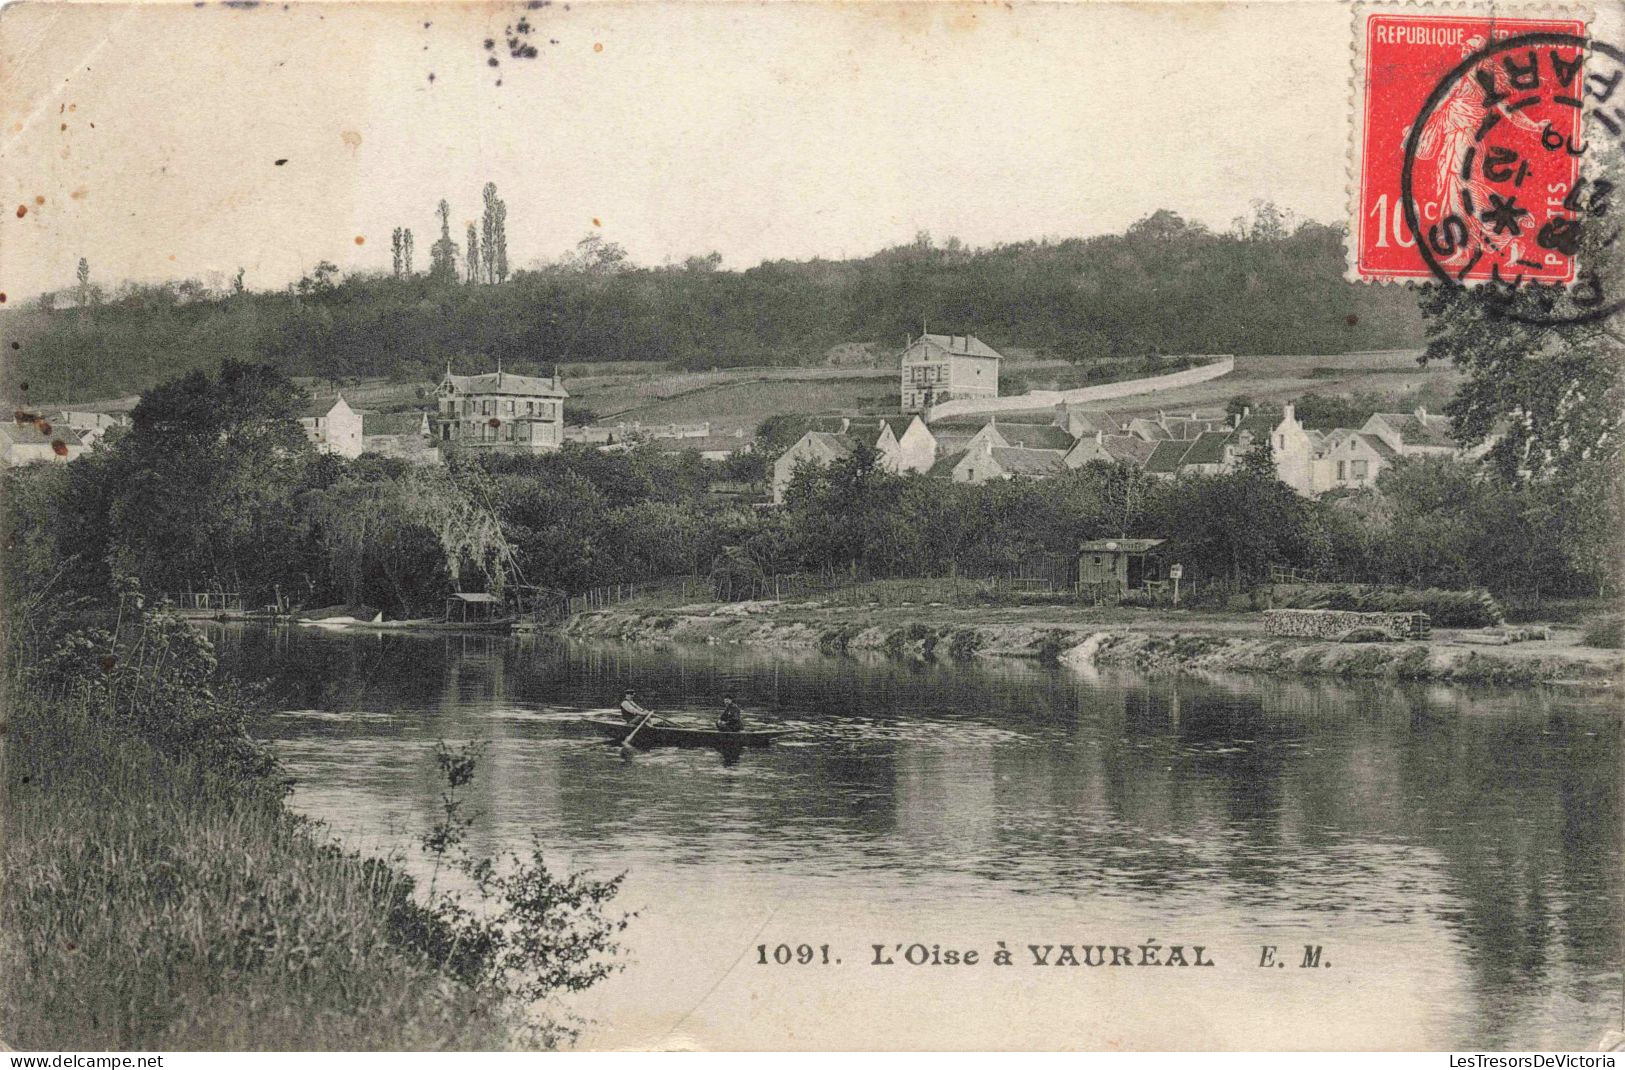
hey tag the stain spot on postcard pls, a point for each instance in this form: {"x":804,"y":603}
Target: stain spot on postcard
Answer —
{"x":22,"y":210}
{"x":351,"y":139}
{"x":360,"y":239}
{"x":79,"y":194}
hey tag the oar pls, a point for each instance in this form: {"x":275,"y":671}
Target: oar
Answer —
{"x":626,"y":744}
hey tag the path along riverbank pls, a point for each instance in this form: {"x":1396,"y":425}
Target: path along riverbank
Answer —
{"x":1151,"y":640}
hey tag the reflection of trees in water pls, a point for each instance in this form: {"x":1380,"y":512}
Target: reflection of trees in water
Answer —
{"x":1493,"y":813}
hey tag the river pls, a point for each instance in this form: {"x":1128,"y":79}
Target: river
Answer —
{"x":1454,"y":854}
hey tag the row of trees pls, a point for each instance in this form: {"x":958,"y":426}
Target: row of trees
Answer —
{"x":1165,"y":286}
{"x":215,"y":487}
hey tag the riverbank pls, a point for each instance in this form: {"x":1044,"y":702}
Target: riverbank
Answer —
{"x":1151,"y":640}
{"x":157,"y":893}
{"x":151,"y":904}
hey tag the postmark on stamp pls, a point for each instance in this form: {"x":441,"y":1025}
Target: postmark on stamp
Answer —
{"x":1468,"y":146}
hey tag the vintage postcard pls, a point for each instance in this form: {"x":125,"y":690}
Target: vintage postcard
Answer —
{"x":812,"y":526}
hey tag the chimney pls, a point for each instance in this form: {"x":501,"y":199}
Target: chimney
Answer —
{"x":1422,"y":413}
{"x":846,"y":424}
{"x":1100,"y":438}
{"x":1288,"y":415}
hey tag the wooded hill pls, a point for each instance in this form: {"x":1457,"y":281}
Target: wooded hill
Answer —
{"x":1165,"y":287}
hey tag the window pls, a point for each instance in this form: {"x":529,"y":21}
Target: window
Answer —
{"x":507,"y":407}
{"x":1361,"y":468}
{"x":530,"y":408}
{"x":1341,"y":467}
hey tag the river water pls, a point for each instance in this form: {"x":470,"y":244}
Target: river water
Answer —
{"x":1455,"y":854}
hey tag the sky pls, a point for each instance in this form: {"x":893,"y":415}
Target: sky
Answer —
{"x":145,"y":137}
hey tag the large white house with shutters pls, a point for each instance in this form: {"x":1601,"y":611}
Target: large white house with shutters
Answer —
{"x":500,"y":410}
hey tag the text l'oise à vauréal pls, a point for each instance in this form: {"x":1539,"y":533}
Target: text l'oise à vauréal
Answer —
{"x":1149,"y":953}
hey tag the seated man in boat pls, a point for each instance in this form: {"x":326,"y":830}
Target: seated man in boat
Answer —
{"x":630,"y":710}
{"x":732,"y":718}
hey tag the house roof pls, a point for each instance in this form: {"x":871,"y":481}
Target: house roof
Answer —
{"x":1166,"y":456}
{"x":1024,"y":462}
{"x":1124,"y":546}
{"x":951,"y":442}
{"x":945,"y":465}
{"x":1037,"y":436}
{"x":961,"y":345}
{"x":1097,"y":419}
{"x":506,"y":383}
{"x":1383,"y":450}
{"x":27,"y":433}
{"x":1206,"y":448}
{"x":898,"y":424}
{"x":1421,"y":429}
{"x":839,"y":445}
{"x":1153,"y":431}
{"x":1131,"y":448}
{"x":319,"y":406}
{"x":392,"y":423}
{"x":1259,"y":423}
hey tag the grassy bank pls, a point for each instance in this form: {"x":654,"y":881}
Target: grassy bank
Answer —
{"x":156,"y":893}
{"x":151,"y":904}
{"x":956,"y":619}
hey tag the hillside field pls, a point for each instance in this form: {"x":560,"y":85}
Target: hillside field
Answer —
{"x":734,"y":398}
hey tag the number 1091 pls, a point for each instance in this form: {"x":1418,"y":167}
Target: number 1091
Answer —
{"x":800,"y":955}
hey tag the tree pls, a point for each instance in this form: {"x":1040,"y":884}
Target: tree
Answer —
{"x":406,"y":251}
{"x":494,"y":226}
{"x":238,"y":287}
{"x":443,"y":253}
{"x":1546,"y":383}
{"x":84,"y":282}
{"x":397,"y":244}
{"x":200,"y":489}
{"x":473,"y":256}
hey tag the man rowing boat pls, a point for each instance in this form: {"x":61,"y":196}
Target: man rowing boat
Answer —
{"x":732,"y":718}
{"x":631,"y":712}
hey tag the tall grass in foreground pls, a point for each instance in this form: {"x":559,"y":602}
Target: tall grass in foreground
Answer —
{"x":155,"y":893}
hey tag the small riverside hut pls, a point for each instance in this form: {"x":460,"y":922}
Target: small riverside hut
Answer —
{"x":474,"y":609}
{"x":1110,"y":568}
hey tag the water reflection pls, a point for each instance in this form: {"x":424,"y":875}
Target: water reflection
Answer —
{"x":1384,"y":813}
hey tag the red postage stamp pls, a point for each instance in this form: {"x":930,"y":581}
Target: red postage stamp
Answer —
{"x":1469,"y":145}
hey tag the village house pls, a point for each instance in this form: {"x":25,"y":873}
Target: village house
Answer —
{"x":1350,"y":459}
{"x":905,"y":444}
{"x":26,"y":442}
{"x":500,"y":410}
{"x":986,"y":461}
{"x":1131,"y":450}
{"x":332,"y":426}
{"x":1081,"y":423}
{"x":405,"y":435}
{"x":1414,"y":434}
{"x":943,"y":367}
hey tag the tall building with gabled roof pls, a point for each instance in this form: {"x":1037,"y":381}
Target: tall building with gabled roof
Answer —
{"x":942,"y":367}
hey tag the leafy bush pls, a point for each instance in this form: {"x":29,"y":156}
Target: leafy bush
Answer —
{"x":964,"y":645}
{"x":1446,"y":609}
{"x":1608,"y":633}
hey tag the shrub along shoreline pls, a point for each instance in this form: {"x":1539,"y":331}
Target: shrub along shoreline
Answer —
{"x":156,"y":893}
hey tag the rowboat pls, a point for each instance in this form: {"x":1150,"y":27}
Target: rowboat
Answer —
{"x":670,"y":735}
